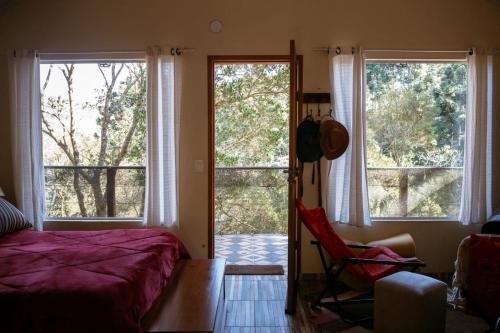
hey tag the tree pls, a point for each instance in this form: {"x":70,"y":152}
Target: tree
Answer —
{"x":119,"y":112}
{"x":450,"y":98}
{"x":251,"y":105}
{"x":415,"y":117}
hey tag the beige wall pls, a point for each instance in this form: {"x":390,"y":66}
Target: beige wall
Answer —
{"x":250,"y":27}
{"x":5,"y":150}
{"x":495,"y":165}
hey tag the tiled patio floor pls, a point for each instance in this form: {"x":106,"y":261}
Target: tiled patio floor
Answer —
{"x":262,"y":249}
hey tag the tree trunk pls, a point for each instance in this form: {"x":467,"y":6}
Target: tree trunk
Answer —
{"x":403,"y":192}
{"x":79,"y":193}
{"x":99,"y":196}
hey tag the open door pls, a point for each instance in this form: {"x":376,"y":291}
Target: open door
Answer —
{"x":294,"y":66}
{"x":248,"y":184}
{"x":293,"y":226}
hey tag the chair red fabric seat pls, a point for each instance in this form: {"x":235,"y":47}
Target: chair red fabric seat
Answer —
{"x":375,"y":272}
{"x":370,"y":265}
{"x":316,"y":221}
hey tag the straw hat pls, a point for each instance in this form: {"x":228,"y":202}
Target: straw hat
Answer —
{"x":334,"y":138}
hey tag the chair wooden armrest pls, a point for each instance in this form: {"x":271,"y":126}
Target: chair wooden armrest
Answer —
{"x":359,"y":246}
{"x":354,"y":246}
{"x":363,"y":261}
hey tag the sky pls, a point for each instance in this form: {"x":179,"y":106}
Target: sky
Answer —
{"x":86,"y":80}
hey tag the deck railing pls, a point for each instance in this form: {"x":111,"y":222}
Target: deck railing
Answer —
{"x":95,"y":191}
{"x":414,"y":191}
{"x":243,"y":192}
{"x":251,"y":200}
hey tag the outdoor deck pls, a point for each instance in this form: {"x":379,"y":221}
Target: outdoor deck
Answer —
{"x":260,"y":249}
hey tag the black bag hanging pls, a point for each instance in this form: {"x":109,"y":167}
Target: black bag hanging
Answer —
{"x":308,"y":147}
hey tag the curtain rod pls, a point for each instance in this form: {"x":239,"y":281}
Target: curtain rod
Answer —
{"x":173,"y":51}
{"x":181,"y":50}
{"x":322,"y":49}
{"x":327,"y":49}
{"x":89,"y":52}
{"x":469,"y":50}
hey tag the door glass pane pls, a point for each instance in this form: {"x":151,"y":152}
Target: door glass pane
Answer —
{"x":251,"y":153}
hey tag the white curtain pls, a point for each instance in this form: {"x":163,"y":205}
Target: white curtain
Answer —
{"x":26,"y":127}
{"x":474,"y":205}
{"x":346,"y":192}
{"x":163,"y":118}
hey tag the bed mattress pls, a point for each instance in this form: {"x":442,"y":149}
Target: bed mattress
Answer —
{"x":84,"y":281}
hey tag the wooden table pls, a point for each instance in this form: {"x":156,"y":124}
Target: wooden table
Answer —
{"x":193,"y":300}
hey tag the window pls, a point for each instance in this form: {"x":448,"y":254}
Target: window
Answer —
{"x":415,"y":121}
{"x":94,"y":137}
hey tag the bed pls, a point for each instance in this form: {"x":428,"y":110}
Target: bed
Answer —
{"x":83,"y":281}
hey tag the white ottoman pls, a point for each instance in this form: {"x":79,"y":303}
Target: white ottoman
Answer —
{"x":410,"y":303}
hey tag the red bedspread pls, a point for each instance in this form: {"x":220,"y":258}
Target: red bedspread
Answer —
{"x":84,"y":281}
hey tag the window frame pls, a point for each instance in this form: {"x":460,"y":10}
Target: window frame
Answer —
{"x":407,"y":57}
{"x":90,"y":223}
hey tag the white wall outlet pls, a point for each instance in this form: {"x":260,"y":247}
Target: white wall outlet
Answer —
{"x":198,"y":166}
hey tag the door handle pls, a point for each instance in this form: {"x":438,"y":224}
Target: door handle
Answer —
{"x":292,"y":173}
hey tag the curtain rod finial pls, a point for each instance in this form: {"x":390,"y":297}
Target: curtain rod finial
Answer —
{"x":175,"y":51}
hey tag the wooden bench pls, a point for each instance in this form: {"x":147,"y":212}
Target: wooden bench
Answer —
{"x":193,"y":300}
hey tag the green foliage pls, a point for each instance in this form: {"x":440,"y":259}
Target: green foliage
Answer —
{"x":401,"y":125}
{"x":251,"y":104}
{"x":251,"y":201}
{"x":415,"y":118}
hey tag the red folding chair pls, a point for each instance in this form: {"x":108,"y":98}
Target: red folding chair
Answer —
{"x":370,"y":265}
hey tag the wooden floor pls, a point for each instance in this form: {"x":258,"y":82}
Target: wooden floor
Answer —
{"x":256,"y":303}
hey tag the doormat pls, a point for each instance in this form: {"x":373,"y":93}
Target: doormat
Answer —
{"x":254,"y":270}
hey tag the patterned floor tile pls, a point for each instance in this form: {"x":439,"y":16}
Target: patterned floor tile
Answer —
{"x":261,"y":249}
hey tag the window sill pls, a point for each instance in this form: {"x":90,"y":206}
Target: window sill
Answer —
{"x":91,"y":224}
{"x":93,"y":220}
{"x":415,"y":219}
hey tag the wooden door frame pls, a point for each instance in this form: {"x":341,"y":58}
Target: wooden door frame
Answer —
{"x":293,"y":243}
{"x":211,"y":62}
